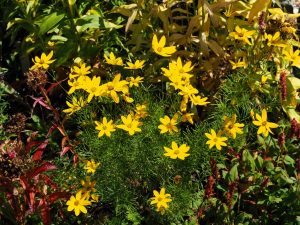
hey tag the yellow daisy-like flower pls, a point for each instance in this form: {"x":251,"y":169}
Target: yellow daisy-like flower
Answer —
{"x":161,"y":199}
{"x":91,"y":166}
{"x":81,"y":70}
{"x":242,"y":34}
{"x":187,"y":117}
{"x":231,"y":127}
{"x":78,"y":203}
{"x":112,"y":60}
{"x":42,"y":62}
{"x":141,"y":111}
{"x":168,"y":125}
{"x":239,"y":63}
{"x":134,"y":66}
{"x":159,"y":47}
{"x":215,"y":140}
{"x":117,"y":85}
{"x":177,"y":152}
{"x":292,"y":56}
{"x":264,"y":125}
{"x":197,"y":100}
{"x":75,"y":105}
{"x":88,"y":186}
{"x":93,"y":88}
{"x":130,"y":125}
{"x":274,"y":40}
{"x":105,"y":127}
{"x":134,"y":81}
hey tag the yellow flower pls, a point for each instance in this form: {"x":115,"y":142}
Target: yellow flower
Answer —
{"x":135,"y":81}
{"x":292,"y":56}
{"x":111,"y":88}
{"x":91,"y":166}
{"x":161,"y":199}
{"x":88,"y":186}
{"x":159,"y":47}
{"x":264,"y":125}
{"x":51,"y":43}
{"x":105,"y":127}
{"x":188,"y":117}
{"x":177,"y":152}
{"x":134,"y":66}
{"x":94,"y":198}
{"x":141,"y":111}
{"x":130,"y":125}
{"x":42,"y":62}
{"x":81,"y":70}
{"x":179,"y":67}
{"x":168,"y":125}
{"x":239,"y":63}
{"x":93,"y":88}
{"x":197,"y":100}
{"x":76,"y":105}
{"x":242,"y":34}
{"x":215,"y":140}
{"x":231,"y":127}
{"x":77,"y":204}
{"x":112,"y":60}
{"x":274,"y":40}
{"x":78,"y":83}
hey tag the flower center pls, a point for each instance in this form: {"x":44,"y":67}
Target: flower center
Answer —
{"x":264,"y":123}
{"x":215,"y":140}
{"x":110,"y":88}
{"x":176,"y":152}
{"x":159,"y":49}
{"x":159,"y":199}
{"x":76,"y":203}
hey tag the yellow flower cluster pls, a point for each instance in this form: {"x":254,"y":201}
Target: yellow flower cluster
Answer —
{"x":230,"y":129}
{"x":85,"y":196}
{"x":131,"y":123}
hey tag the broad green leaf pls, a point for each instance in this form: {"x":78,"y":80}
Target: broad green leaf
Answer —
{"x":233,"y":173}
{"x":87,"y":22}
{"x":258,"y":6}
{"x":248,"y":158}
{"x":49,"y":21}
{"x":288,"y":160}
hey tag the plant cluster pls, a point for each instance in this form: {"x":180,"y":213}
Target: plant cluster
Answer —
{"x":155,"y":112}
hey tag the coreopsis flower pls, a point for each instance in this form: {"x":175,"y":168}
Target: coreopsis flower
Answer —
{"x":117,"y":85}
{"x":93,"y":88}
{"x":88,"y":186}
{"x":274,"y":40}
{"x":264,"y":125}
{"x":242,"y":34}
{"x":79,"y":83}
{"x":130,"y":125}
{"x":231,"y":127}
{"x":197,"y":100}
{"x":188,"y":90}
{"x":94,"y":198}
{"x":126,"y":96}
{"x":43,"y":62}
{"x":292,"y":56}
{"x":112,"y":60}
{"x":161,"y":199}
{"x":180,"y":68}
{"x":81,"y":70}
{"x":105,"y":127}
{"x":141,"y":111}
{"x":159,"y":47}
{"x":176,"y":151}
{"x":78,"y":203}
{"x":135,"y":66}
{"x":215,"y":140}
{"x":168,"y":125}
{"x":135,"y":81}
{"x":91,"y":166}
{"x":239,"y":63}
{"x":75,"y":105}
{"x":187,"y":117}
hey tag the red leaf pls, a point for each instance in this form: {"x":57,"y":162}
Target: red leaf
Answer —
{"x":45,"y":167}
{"x":57,"y":195}
{"x":31,"y":144}
{"x":75,"y":159}
{"x":24,"y":182}
{"x":65,"y":150}
{"x":48,"y":181}
{"x":51,"y":130}
{"x":55,"y":84}
{"x":40,"y":100}
{"x":45,"y":212}
{"x":40,"y":149}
